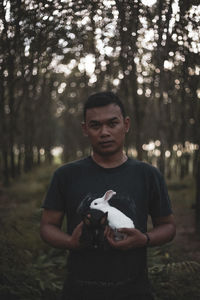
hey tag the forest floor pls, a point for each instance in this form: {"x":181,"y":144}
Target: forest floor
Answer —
{"x":187,"y":241}
{"x":186,"y":237}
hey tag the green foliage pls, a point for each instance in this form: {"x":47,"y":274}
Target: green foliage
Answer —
{"x":50,"y":269}
{"x":180,"y":280}
{"x":29,"y":269}
{"x":172,"y":273}
{"x":27,"y":276}
{"x":16,"y":277}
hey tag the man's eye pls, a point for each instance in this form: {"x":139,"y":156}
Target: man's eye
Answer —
{"x":113,"y":124}
{"x":95,"y":126}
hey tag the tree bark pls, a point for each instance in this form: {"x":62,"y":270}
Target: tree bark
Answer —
{"x":198,"y":194}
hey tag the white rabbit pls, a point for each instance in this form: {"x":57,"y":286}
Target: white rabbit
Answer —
{"x":116,"y":218}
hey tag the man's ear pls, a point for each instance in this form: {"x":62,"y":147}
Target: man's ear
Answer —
{"x":84,"y":129}
{"x":127,"y":123}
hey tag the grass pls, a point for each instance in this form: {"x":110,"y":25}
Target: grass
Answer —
{"x":30,"y":269}
{"x":182,"y":192}
{"x":26,"y":262}
{"x":173,"y":274}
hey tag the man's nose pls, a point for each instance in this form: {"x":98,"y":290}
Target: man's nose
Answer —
{"x":105,"y":130}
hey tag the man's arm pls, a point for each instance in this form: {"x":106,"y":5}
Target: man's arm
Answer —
{"x":163,"y":231}
{"x":50,"y":231}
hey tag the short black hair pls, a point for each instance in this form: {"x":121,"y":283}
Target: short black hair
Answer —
{"x":103,"y":99}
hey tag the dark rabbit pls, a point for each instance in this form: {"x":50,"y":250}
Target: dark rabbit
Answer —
{"x":95,"y":222}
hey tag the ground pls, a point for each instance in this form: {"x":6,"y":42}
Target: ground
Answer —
{"x":186,"y":237}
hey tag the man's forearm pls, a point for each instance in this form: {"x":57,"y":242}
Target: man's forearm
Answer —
{"x":161,"y":234}
{"x":54,"y":236}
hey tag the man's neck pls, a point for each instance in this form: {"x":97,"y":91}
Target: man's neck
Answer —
{"x":110,"y":161}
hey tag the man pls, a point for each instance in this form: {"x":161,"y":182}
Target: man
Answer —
{"x":119,"y":272}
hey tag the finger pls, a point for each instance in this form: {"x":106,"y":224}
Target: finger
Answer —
{"x":106,"y":231}
{"x":78,"y":230}
{"x":110,"y":235}
{"x":117,"y":244}
{"x":113,"y":241}
{"x":80,"y":224}
{"x":127,"y":230}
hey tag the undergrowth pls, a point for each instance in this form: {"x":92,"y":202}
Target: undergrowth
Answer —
{"x":30,"y":269}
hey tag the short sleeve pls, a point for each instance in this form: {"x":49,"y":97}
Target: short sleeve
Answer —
{"x":54,"y":198}
{"x":160,"y":204}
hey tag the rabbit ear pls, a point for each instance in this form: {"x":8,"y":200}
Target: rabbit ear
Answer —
{"x":108,"y":195}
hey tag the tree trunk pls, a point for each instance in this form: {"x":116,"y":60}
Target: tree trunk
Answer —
{"x":38,"y":156}
{"x":19,"y":161}
{"x":198,"y":194}
{"x":28,"y":158}
{"x":48,"y":155}
{"x":5,"y":168}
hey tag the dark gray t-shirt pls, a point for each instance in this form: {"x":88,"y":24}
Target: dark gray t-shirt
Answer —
{"x":140,"y":191}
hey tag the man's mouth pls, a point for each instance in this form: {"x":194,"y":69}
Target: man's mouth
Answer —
{"x":106,"y":143}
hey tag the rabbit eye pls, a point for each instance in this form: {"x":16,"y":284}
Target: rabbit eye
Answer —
{"x":95,"y":203}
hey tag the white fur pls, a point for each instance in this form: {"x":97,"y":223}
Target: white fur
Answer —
{"x":116,"y":219}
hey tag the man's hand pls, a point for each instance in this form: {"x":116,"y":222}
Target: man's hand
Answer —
{"x":133,"y":238}
{"x":164,"y":230}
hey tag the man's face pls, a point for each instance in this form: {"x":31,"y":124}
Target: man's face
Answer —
{"x":106,"y":129}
